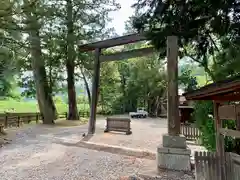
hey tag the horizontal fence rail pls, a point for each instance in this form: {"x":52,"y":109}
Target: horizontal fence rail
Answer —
{"x":190,"y":131}
{"x":17,"y":119}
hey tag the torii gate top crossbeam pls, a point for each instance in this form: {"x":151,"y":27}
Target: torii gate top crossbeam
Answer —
{"x":127,"y":39}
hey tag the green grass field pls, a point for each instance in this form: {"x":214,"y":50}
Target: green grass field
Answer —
{"x":21,"y":106}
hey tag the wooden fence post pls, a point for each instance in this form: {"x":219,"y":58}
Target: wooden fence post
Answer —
{"x":37,"y":118}
{"x":18,"y":121}
{"x":6,"y":121}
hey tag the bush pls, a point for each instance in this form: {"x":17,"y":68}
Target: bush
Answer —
{"x":82,"y":99}
{"x":106,"y":111}
{"x":205,"y":122}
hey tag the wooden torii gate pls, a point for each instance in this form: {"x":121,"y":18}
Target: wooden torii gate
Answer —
{"x":172,"y":66}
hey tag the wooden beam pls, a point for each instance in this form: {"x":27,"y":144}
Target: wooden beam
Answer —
{"x":230,"y":132}
{"x":95,"y":89}
{"x":231,"y":95}
{"x":132,"y":38}
{"x":237,"y":119}
{"x":172,"y":93}
{"x":127,"y":54}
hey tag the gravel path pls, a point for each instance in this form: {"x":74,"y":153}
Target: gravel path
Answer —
{"x":35,"y":154}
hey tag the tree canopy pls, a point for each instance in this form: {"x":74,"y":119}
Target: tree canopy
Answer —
{"x":204,"y":28}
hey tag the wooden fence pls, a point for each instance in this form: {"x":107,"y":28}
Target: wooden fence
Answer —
{"x":17,"y":119}
{"x":208,"y":166}
{"x":190,"y":131}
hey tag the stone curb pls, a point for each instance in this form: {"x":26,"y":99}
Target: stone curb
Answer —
{"x":118,"y":150}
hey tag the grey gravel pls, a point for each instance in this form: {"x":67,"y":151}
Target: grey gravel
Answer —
{"x":35,"y":155}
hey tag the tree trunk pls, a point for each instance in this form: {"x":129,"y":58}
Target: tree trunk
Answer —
{"x":50,"y":76}
{"x":157,"y":106}
{"x":87,"y":87}
{"x":72,"y":102}
{"x":45,"y":101}
{"x":123,"y":85}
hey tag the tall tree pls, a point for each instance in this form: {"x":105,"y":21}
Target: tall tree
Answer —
{"x":79,"y":20}
{"x":33,"y":11}
{"x":198,"y":24}
{"x":8,"y":48}
{"x":70,"y":60}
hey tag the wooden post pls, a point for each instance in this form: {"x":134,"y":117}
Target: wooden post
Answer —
{"x":172,"y":94}
{"x":95,"y":88}
{"x":6,"y":121}
{"x":219,"y":142}
{"x":18,"y":121}
{"x":237,"y":116}
{"x":37,"y":118}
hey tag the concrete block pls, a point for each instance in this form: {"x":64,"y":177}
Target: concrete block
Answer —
{"x":174,"y":159}
{"x":174,"y":141}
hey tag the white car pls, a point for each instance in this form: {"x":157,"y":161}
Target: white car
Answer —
{"x":141,"y":113}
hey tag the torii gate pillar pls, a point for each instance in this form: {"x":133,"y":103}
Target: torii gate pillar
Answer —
{"x":173,"y":153}
{"x":95,"y":90}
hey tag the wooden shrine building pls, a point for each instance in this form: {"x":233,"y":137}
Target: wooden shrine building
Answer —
{"x":226,"y":97}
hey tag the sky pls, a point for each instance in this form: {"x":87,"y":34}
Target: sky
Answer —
{"x":119,"y":17}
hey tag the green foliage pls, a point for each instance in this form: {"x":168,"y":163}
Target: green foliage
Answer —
{"x":57,"y":99}
{"x":108,"y":87}
{"x":208,"y":33}
{"x":187,"y":80}
{"x":201,"y":26}
{"x":82,"y":99}
{"x":204,"y":121}
{"x":126,"y":85}
{"x":227,"y":61}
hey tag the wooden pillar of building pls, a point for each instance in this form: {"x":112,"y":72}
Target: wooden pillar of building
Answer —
{"x":237,"y":108}
{"x":219,"y":142}
{"x":172,"y":93}
{"x":95,"y":90}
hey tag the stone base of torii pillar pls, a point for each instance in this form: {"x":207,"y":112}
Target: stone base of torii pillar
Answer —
{"x":173,"y":153}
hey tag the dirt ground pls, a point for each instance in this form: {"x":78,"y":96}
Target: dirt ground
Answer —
{"x":146,"y":135}
{"x":40,"y":152}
